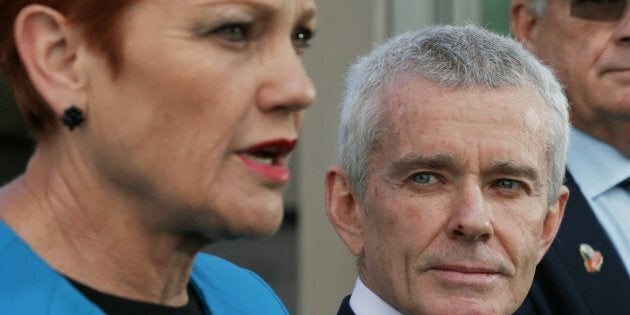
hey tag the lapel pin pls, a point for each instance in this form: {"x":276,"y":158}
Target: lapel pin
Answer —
{"x":593,"y":259}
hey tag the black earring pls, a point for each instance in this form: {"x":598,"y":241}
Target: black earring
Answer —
{"x":72,"y":117}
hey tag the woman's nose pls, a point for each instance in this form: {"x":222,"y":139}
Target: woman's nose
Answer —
{"x":285,"y":86}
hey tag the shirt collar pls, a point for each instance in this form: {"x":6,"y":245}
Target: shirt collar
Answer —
{"x":595,"y":165}
{"x":365,"y":302}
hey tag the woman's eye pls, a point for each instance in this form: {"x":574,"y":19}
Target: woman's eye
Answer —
{"x":301,"y":37}
{"x":423,"y":178}
{"x":234,"y":32}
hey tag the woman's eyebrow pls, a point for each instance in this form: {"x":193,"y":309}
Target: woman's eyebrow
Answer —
{"x":308,"y":13}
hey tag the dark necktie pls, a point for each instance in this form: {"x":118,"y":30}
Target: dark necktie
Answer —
{"x":625,"y":184}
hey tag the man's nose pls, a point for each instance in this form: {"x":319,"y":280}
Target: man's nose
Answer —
{"x":470,"y":219}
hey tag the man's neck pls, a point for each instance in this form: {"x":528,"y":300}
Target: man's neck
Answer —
{"x":365,"y":302}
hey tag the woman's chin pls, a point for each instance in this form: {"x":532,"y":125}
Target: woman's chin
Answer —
{"x":266,"y":225}
{"x":257,"y":222}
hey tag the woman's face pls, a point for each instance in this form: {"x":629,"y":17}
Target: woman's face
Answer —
{"x":199,"y":122}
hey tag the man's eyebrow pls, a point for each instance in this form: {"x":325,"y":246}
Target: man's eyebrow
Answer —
{"x":412,"y":161}
{"x":510,"y":168}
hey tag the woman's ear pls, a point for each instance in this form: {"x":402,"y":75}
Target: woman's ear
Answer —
{"x":344,"y":210}
{"x":48,"y":46}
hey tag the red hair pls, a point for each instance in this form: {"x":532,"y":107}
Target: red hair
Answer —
{"x":99,"y":21}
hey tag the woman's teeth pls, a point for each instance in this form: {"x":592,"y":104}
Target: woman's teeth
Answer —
{"x":265,"y":160}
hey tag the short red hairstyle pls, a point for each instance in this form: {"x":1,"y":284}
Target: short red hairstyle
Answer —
{"x":99,"y":20}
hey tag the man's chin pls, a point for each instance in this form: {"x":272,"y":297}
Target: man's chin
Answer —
{"x":465,"y":305}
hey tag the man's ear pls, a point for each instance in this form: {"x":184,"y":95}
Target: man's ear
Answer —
{"x":552,"y":221}
{"x":48,"y":47}
{"x":344,"y":210}
{"x":523,"y":23}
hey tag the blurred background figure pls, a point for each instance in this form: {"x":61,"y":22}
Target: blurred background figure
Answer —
{"x":588,"y":44}
{"x":161,"y":127}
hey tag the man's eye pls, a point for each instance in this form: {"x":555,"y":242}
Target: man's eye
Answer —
{"x":506,"y":184}
{"x":234,"y":32}
{"x":301,"y":37}
{"x":423,"y":178}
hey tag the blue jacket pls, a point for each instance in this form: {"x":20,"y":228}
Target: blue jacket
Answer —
{"x":29,"y":286}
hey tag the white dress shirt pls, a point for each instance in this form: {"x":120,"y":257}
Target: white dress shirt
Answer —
{"x":598,"y":169}
{"x":365,"y":302}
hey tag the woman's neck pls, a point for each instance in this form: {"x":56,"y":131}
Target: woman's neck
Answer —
{"x":97,"y":237}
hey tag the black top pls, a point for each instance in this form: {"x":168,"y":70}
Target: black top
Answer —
{"x":114,"y":305}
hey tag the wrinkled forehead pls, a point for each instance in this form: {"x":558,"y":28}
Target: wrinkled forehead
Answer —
{"x":417,"y":109}
{"x":406,"y":94}
{"x":300,"y":9}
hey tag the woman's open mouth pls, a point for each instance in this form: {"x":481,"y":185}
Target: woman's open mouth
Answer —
{"x":270,"y":159}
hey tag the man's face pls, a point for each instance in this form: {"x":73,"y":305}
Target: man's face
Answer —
{"x":455,"y":216}
{"x":591,"y":58}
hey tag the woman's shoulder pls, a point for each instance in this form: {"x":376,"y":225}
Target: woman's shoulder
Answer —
{"x":29,"y":286}
{"x":230,"y":289}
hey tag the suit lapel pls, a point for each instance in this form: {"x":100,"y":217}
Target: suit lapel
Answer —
{"x":580,"y":226}
{"x":345,"y":308}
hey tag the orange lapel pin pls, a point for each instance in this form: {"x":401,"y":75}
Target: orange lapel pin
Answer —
{"x":593,"y":259}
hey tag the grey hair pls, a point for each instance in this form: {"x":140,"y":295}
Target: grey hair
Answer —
{"x":537,"y":7}
{"x":454,"y":57}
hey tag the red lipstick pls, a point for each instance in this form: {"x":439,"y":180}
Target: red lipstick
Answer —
{"x":269,"y":159}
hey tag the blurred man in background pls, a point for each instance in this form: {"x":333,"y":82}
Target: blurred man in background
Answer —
{"x":587,"y":43}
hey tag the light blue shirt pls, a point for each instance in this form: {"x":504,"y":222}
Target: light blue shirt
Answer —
{"x":597,"y":169}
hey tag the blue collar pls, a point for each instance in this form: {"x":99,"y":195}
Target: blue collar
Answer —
{"x":595,"y":165}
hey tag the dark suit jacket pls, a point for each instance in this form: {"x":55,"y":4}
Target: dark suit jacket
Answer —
{"x":562,"y":285}
{"x":345,"y":309}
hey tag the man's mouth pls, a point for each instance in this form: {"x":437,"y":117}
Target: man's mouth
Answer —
{"x":466,"y":275}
